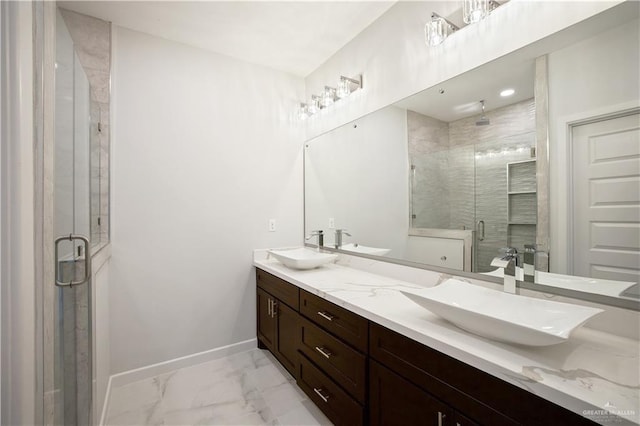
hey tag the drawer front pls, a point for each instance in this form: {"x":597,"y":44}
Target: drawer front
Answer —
{"x":338,"y":406}
{"x":286,"y":292}
{"x":476,"y":394}
{"x":340,"y":361}
{"x":350,"y":327}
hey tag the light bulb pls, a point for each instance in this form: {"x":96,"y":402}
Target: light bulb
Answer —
{"x":313,"y":105}
{"x":303,"y":113}
{"x":343,"y":89}
{"x":474,"y":10}
{"x":435,"y":31}
{"x":327,"y":96}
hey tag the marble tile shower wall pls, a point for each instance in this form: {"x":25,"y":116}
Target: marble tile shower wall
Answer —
{"x":92,"y":43}
{"x":460,"y":175}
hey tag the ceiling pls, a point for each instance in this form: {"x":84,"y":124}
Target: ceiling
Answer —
{"x":460,"y":96}
{"x":292,"y":36}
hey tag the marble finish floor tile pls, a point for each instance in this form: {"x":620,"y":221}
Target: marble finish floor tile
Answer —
{"x":249,"y":388}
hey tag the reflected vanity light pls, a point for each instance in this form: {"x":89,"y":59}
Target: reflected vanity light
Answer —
{"x":330,"y":95}
{"x":437,"y":30}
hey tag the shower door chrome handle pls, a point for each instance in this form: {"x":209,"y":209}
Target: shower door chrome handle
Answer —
{"x":87,"y":260}
{"x":480,"y":228}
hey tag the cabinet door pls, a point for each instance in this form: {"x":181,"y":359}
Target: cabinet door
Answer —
{"x":460,"y":420}
{"x":395,"y":401}
{"x":266,"y":319}
{"x":287,"y":337}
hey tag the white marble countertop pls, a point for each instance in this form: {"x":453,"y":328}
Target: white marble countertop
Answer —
{"x":594,"y":374}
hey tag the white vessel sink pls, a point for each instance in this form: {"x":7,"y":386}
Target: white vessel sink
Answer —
{"x":502,"y":316}
{"x":359,"y":248}
{"x":302,"y":258}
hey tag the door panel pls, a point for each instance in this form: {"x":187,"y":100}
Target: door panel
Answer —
{"x":69,"y":397}
{"x":606,"y":199}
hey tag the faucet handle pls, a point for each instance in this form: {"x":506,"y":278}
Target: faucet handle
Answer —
{"x":342,"y":231}
{"x":500,"y":262}
{"x":508,"y":250}
{"x":314,"y":234}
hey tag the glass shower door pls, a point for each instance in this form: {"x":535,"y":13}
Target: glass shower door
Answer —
{"x":70,"y":356}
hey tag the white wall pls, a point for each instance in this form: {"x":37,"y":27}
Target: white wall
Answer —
{"x":396,"y":63}
{"x":596,"y":76}
{"x":204,"y":153}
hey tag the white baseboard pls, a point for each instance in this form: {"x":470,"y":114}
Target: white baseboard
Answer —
{"x":105,"y":405}
{"x":153,"y":370}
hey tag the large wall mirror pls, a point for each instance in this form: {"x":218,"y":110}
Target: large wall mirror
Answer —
{"x":537,"y":150}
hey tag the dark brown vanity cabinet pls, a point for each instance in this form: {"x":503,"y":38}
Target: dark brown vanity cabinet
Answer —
{"x":278,"y":319}
{"x":333,"y":360}
{"x":360,"y":373}
{"x":396,"y":401}
{"x":401,"y":366}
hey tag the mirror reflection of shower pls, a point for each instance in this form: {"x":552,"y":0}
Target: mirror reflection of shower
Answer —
{"x":466,"y":172}
{"x":483,"y":121}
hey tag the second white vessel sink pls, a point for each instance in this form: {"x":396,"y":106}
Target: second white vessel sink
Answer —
{"x":502,"y":316}
{"x":302,"y":258}
{"x":359,"y":248}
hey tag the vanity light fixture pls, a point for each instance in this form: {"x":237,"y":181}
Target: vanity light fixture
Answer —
{"x":438,"y":29}
{"x":314,"y":105}
{"x":476,"y":10}
{"x":348,"y":85}
{"x":507,"y":92}
{"x":329,"y":96}
{"x":303,"y":111}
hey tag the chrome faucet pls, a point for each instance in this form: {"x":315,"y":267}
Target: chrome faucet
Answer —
{"x":320,"y":234}
{"x":510,"y":262}
{"x":529,"y":262}
{"x":338,"y":239}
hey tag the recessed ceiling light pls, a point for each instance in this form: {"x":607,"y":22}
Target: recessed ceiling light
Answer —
{"x":507,"y":92}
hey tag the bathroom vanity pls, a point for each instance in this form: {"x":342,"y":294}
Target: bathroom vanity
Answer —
{"x":367,"y":355}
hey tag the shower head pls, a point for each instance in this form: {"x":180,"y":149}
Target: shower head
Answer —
{"x":484,"y":121}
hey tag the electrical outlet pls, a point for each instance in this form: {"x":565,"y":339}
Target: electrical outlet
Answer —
{"x":272,"y":225}
{"x":332,"y":223}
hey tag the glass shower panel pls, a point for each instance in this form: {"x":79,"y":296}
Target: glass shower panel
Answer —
{"x":442,"y":188}
{"x":70,"y":355}
{"x":492,"y":198}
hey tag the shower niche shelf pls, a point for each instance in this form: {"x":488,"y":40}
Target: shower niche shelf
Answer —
{"x":521,"y":203}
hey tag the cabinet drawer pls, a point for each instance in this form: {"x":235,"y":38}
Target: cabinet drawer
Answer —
{"x":338,"y":406}
{"x":350,"y":327}
{"x":286,"y":292}
{"x":478,"y":395}
{"x":341,"y":362}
